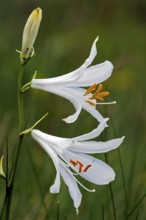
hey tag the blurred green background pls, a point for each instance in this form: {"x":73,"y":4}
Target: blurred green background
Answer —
{"x":67,"y":32}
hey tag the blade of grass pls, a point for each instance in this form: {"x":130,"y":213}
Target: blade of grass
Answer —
{"x":137,"y":204}
{"x":42,"y":195}
{"x":58,"y":209}
{"x":112,"y":195}
{"x":6,"y":182}
{"x":110,"y":185}
{"x":137,"y":216}
{"x":122,"y":171}
{"x":102,"y":207}
{"x":65,"y":216}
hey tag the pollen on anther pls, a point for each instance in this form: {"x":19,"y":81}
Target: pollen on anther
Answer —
{"x":80,"y":166}
{"x":79,"y":163}
{"x":90,"y":102}
{"x":87,"y":167}
{"x":73,"y":162}
{"x":91,"y":89}
{"x":99,"y":89}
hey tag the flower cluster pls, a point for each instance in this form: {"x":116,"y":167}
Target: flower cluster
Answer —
{"x":83,"y":88}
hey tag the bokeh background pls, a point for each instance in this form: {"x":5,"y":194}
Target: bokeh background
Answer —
{"x":67,"y":32}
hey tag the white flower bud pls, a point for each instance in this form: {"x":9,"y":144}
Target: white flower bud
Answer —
{"x":30,"y":33}
{"x":2,"y":174}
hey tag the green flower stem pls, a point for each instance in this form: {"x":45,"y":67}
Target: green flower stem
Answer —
{"x":9,"y":187}
{"x":20,"y":98}
{"x":21,"y":125}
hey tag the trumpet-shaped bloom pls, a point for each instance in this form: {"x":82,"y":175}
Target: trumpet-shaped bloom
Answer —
{"x":70,"y":86}
{"x":30,"y":33}
{"x":71,"y":158}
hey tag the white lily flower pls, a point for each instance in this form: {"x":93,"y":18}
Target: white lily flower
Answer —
{"x":70,"y":86}
{"x":70,"y":157}
{"x":30,"y":33}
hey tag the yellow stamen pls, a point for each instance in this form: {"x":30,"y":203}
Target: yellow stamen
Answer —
{"x":91,"y":103}
{"x":91,"y":89}
{"x":99,"y":89}
{"x":100,"y":95}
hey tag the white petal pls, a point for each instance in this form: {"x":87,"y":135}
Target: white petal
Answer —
{"x":81,"y":77}
{"x":59,"y":80}
{"x":92,"y":55}
{"x":75,"y":96}
{"x":93,"y":111}
{"x":99,"y":173}
{"x":95,"y":74}
{"x":67,"y":78}
{"x":72,"y":187}
{"x":68,"y":93}
{"x":78,"y":107}
{"x":93,"y":147}
{"x":95,"y":133}
{"x":56,"y":186}
{"x":51,"y":140}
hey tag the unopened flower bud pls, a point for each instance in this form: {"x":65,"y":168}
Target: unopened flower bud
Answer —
{"x":2,"y":174}
{"x":29,"y":34}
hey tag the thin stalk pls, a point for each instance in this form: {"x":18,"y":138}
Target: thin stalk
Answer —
{"x":102,"y":206}
{"x":65,"y":216}
{"x":9,"y":187}
{"x":20,"y":98}
{"x":21,"y":126}
{"x":138,"y":203}
{"x":112,"y":195}
{"x":16,"y":157}
{"x":58,"y":204}
{"x":122,"y":172}
{"x":6,"y":183}
{"x":7,"y":159}
{"x":110,"y":187}
{"x":124,"y":182}
{"x":137,"y":216}
{"x":38,"y":182}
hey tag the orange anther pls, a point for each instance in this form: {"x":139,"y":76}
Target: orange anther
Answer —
{"x":73,"y":162}
{"x":100,"y":96}
{"x":90,"y":89}
{"x":87,"y":167}
{"x":99,"y":89}
{"x":103,"y":94}
{"x":90,"y":102}
{"x":80,"y":166}
{"x":80,"y":163}
{"x":97,"y":95}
